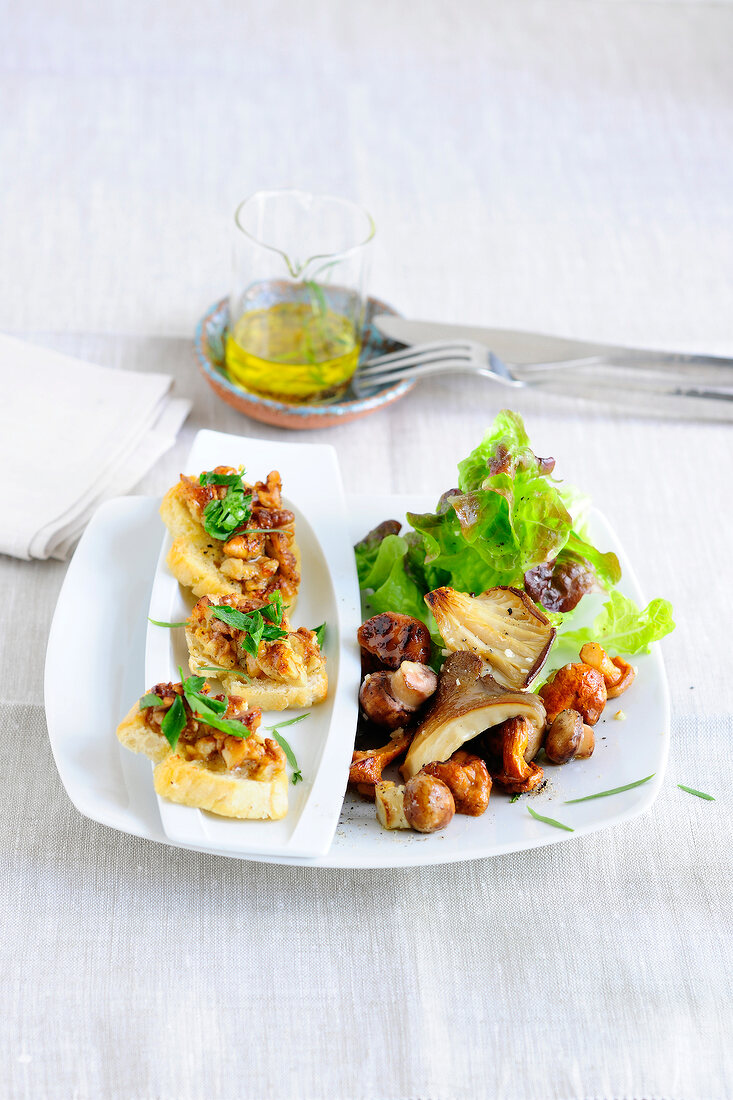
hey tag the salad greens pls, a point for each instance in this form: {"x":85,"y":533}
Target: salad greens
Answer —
{"x":507,"y":516}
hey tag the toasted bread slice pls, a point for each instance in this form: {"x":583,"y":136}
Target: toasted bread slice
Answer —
{"x":198,"y":560}
{"x":287,"y":672}
{"x":196,"y":783}
{"x":137,"y":736}
{"x":210,"y":770}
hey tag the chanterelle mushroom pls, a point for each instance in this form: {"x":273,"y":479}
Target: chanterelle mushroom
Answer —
{"x":467,"y":702}
{"x":502,"y":625}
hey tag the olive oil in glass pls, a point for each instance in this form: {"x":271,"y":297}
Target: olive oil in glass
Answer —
{"x":299,"y":350}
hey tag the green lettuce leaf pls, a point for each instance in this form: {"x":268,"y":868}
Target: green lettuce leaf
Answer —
{"x":508,"y":430}
{"x":622,"y":628}
{"x":386,"y":583}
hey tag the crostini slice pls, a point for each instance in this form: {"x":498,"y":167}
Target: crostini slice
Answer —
{"x":230,"y":537}
{"x":202,"y":759}
{"x":250,"y":647}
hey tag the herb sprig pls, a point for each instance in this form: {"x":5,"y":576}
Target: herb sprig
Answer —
{"x":550,"y":821}
{"x":150,"y":700}
{"x":157,"y":622}
{"x":223,"y":517}
{"x":320,"y":633}
{"x":208,"y":709}
{"x":263,"y":624}
{"x":700,"y":794}
{"x":285,"y":746}
{"x":614,"y":790}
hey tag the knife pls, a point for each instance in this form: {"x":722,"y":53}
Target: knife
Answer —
{"x":515,"y":347}
{"x":644,"y":381}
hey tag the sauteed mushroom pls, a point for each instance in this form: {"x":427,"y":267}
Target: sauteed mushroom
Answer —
{"x":502,"y":626}
{"x":617,"y":673}
{"x":575,"y":687}
{"x":428,"y":803}
{"x":518,"y":776}
{"x":564,"y":737}
{"x":390,"y":639}
{"x":467,"y":702}
{"x":391,"y":698}
{"x":468,"y":780}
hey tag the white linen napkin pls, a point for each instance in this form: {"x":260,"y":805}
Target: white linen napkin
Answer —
{"x":71,"y":436}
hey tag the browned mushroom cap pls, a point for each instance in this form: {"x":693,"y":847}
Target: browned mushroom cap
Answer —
{"x":502,"y":626}
{"x":391,"y":639}
{"x":467,"y":702}
{"x":625,"y":680}
{"x":391,"y":698}
{"x":564,"y":737}
{"x":428,"y":803}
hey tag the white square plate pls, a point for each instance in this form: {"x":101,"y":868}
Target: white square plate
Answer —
{"x":105,"y":636}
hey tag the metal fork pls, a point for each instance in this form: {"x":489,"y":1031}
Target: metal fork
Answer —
{"x":662,"y":383}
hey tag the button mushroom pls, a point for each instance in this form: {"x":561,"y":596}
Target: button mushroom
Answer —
{"x":467,"y":702}
{"x":502,"y":625}
{"x":587,"y":743}
{"x":390,"y":639}
{"x":428,"y":803}
{"x":564,"y":737}
{"x":468,"y":780}
{"x":391,"y":698}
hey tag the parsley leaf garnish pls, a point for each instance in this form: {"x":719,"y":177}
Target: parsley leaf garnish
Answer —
{"x":223,"y":517}
{"x":211,"y":478}
{"x":320,"y":633}
{"x":273,"y":611}
{"x":252,"y":624}
{"x":150,"y":700}
{"x":157,"y":622}
{"x":209,"y":710}
{"x":174,"y":722}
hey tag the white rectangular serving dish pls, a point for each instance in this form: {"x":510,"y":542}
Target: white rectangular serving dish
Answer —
{"x":329,"y":592}
{"x":116,"y":559}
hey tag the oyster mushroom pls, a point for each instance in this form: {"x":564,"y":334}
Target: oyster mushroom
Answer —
{"x":468,"y":701}
{"x":502,"y":625}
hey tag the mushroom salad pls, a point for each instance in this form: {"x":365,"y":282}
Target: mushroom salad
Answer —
{"x":463,"y":611}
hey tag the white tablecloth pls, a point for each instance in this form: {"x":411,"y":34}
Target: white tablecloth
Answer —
{"x":561,"y":166}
